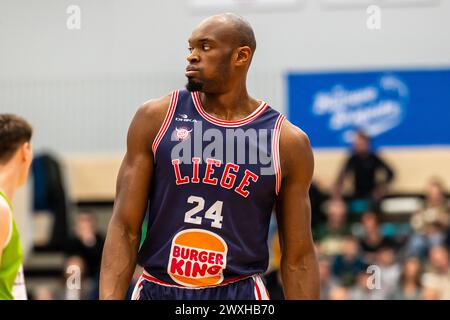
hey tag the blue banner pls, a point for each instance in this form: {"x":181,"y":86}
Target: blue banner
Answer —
{"x":396,"y":108}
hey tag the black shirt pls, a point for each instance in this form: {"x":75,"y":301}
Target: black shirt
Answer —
{"x":364,"y":168}
{"x":92,"y":255}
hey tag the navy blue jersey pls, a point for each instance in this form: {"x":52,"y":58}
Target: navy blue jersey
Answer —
{"x":213,"y":191}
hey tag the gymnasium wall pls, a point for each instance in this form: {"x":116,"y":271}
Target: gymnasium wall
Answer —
{"x":81,"y":88}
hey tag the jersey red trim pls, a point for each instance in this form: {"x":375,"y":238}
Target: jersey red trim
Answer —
{"x":226,"y":123}
{"x":276,"y":151}
{"x":167,"y":120}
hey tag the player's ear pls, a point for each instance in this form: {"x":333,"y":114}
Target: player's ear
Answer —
{"x":26,"y":151}
{"x":243,"y":56}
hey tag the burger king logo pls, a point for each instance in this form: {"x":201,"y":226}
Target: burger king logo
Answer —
{"x":197,"y":258}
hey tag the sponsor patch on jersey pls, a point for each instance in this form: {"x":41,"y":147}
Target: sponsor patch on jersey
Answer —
{"x":197,"y":258}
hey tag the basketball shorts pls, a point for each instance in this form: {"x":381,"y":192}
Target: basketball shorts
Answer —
{"x":249,"y":288}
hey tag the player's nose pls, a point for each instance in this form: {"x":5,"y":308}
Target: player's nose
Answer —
{"x":193,"y":57}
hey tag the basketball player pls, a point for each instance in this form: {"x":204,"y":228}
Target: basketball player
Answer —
{"x":15,"y":160}
{"x":209,"y":211}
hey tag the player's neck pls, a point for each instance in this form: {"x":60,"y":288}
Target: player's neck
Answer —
{"x":8,"y":182}
{"x":230,"y":105}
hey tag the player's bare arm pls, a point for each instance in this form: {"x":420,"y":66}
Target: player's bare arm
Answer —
{"x":5,"y":224}
{"x":299,"y":267}
{"x":133,"y":183}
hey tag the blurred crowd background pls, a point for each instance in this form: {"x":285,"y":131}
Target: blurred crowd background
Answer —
{"x":372,"y":245}
{"x":368,"y":84}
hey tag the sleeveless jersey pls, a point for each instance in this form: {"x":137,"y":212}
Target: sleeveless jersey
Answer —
{"x":213,"y":191}
{"x":12,"y":283}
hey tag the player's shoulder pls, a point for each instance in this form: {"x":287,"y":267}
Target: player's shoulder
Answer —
{"x":295,"y":149}
{"x":148,"y":120}
{"x":5,"y":221}
{"x":154,"y":108}
{"x":293,"y":136}
{"x":4,"y":208}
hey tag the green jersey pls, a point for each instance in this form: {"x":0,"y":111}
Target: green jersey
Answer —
{"x":12,"y":283}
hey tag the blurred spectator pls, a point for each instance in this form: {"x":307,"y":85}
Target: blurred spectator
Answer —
{"x":339,"y":293}
{"x":76,"y":287}
{"x":435,"y":211}
{"x":409,"y":286}
{"x":430,"y":225}
{"x":362,"y":291}
{"x":430,"y":294}
{"x":371,"y":239}
{"x":447,"y":239}
{"x":327,"y":282}
{"x":331,"y":233}
{"x":349,"y":263}
{"x":50,"y":195}
{"x":317,"y":198}
{"x":438,"y":275}
{"x":365,"y":165}
{"x":43,"y":293}
{"x":389,"y":271}
{"x":88,"y":245}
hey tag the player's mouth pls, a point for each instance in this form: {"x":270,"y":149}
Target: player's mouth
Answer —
{"x":191,"y":71}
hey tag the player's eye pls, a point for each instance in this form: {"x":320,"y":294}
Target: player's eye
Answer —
{"x":206,"y":47}
{"x":190,"y":49}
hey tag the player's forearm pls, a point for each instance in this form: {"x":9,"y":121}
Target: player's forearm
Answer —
{"x":301,"y":278}
{"x":118,"y":262}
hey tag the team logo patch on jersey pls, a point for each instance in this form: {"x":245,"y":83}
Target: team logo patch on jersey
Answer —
{"x":182,"y":133}
{"x":197,"y":258}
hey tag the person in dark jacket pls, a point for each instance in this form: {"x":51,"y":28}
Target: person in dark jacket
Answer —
{"x":365,"y":165}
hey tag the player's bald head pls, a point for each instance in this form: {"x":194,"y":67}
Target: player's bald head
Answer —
{"x":231,"y":27}
{"x":221,"y":49}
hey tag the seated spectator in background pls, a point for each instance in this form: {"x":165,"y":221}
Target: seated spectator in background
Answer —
{"x":339,"y":293}
{"x":76,"y":286}
{"x":409,"y":286}
{"x":317,"y":198}
{"x":327,"y":282}
{"x":371,"y":239}
{"x":447,"y":239}
{"x":72,"y":285}
{"x":364,"y":289}
{"x":430,"y":294}
{"x":437,"y":277}
{"x":43,"y":292}
{"x":390,"y":271}
{"x":330,"y":234}
{"x":430,"y":225}
{"x":364,"y":165}
{"x":349,"y":263}
{"x":88,"y":245}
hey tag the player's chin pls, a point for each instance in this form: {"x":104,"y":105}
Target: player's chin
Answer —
{"x":194,"y":85}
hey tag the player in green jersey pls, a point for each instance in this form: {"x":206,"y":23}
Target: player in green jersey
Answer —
{"x":15,"y":160}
